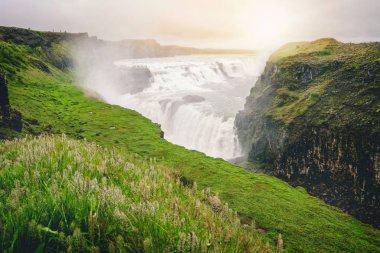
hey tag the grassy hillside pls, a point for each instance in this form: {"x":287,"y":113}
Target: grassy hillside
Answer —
{"x":50,"y":102}
{"x":63,"y":195}
{"x":346,"y":74}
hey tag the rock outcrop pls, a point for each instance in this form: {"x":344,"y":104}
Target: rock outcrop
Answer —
{"x":9,"y":118}
{"x":4,"y":99}
{"x":313,"y":119}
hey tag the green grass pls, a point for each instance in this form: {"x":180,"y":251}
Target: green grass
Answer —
{"x":348,"y":68}
{"x":306,"y":223}
{"x":13,"y":58}
{"x":321,"y":47}
{"x":295,"y":97}
{"x":290,"y":104}
{"x":63,"y":195}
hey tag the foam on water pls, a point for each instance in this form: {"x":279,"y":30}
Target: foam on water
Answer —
{"x":194,"y":98}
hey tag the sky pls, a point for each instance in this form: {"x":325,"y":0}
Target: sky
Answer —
{"x":252,"y":24}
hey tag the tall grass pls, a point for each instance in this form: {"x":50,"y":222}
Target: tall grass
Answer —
{"x":58,"y":194}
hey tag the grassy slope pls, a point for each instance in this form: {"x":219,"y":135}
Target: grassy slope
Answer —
{"x":307,"y":224}
{"x":59,"y":194}
{"x":349,"y":77}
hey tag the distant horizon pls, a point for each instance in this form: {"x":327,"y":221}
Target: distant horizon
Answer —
{"x":358,"y":40}
{"x":248,"y":24}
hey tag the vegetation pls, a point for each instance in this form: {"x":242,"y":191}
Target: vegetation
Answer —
{"x":319,"y":47}
{"x":312,"y":73}
{"x":290,"y":104}
{"x":12,"y":57}
{"x":50,"y":102}
{"x":59,"y":194}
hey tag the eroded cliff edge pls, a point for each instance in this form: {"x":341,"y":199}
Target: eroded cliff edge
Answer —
{"x":313,"y":119}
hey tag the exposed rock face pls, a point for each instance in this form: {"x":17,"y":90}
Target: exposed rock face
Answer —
{"x":341,"y":166}
{"x":138,"y":79}
{"x":4,"y":99}
{"x":9,"y":118}
{"x":313,"y":119}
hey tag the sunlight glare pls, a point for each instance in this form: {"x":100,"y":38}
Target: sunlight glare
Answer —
{"x":267,"y":24}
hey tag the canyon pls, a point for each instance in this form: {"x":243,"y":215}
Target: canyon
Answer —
{"x":194,"y":98}
{"x":312,"y":119}
{"x":49,"y":82}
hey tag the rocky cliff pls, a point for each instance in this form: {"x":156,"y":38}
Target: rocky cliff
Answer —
{"x":313,"y":119}
{"x":5,"y":111}
{"x":9,"y":118}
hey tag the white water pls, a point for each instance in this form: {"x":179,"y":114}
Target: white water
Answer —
{"x":194,"y":98}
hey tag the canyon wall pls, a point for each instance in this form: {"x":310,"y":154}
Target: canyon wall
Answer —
{"x":313,"y":119}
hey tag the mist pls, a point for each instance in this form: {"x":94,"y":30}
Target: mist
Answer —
{"x":194,"y":97}
{"x":121,"y":65}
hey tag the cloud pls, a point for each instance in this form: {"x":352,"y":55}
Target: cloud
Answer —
{"x":218,"y":23}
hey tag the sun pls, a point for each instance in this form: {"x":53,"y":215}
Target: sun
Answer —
{"x":270,"y":24}
{"x":267,"y":24}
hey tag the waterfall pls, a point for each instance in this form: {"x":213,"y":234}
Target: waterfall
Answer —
{"x":194,"y":98}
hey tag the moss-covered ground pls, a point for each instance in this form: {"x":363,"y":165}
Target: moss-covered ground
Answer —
{"x":341,"y":87}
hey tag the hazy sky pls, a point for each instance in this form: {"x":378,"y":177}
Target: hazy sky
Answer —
{"x":202,"y":23}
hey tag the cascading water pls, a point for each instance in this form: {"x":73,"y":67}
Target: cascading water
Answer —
{"x":194,"y":98}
